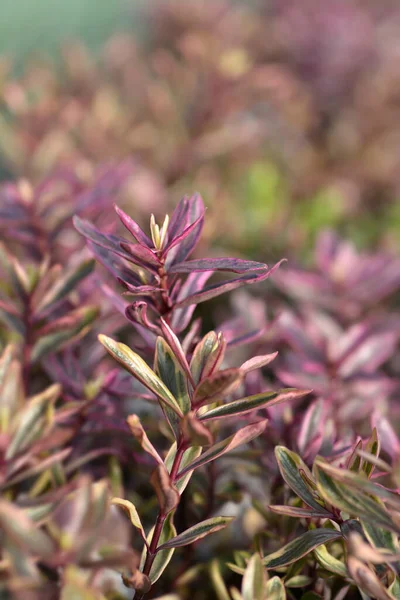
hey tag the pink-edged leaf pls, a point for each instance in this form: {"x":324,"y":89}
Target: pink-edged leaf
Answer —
{"x":197,"y":532}
{"x":175,"y":345}
{"x":257,"y":362}
{"x":245,"y":405}
{"x":217,"y":386}
{"x":141,"y":256}
{"x":222,"y":287}
{"x":243,"y":436}
{"x":300,"y":513}
{"x":235,"y":265}
{"x":181,"y":218}
{"x":187,"y":212}
{"x":133,"y":228}
{"x":139,"y":433}
{"x":204,"y":354}
{"x":133,"y":363}
{"x":167,"y":493}
{"x":137,"y":313}
{"x":108,"y":241}
{"x":184,"y":234}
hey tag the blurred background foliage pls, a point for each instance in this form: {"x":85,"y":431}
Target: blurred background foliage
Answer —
{"x":285,"y":117}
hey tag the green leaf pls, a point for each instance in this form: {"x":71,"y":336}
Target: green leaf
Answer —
{"x":130,"y":509}
{"x":207,"y":355}
{"x":164,"y":556}
{"x":133,"y":363}
{"x":275,"y":589}
{"x":254,"y":580}
{"x":171,"y":373}
{"x":373,"y":447}
{"x":250,"y":403}
{"x":298,"y":581}
{"x":300,"y":547}
{"x":218,"y":581}
{"x":329,"y":562}
{"x":197,"y":532}
{"x":352,"y":501}
{"x":188,"y":457}
{"x":360,"y":483}
{"x":300,"y":513}
{"x":290,"y":466}
{"x":33,"y":419}
{"x":243,"y":436}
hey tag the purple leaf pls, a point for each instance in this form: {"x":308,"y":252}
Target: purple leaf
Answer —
{"x":222,"y":287}
{"x":235,"y":265}
{"x":133,"y":228}
{"x":187,"y":212}
{"x":109,"y":241}
{"x":184,"y":234}
{"x":141,"y":256}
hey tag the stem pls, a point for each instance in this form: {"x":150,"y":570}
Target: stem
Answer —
{"x":152,"y":550}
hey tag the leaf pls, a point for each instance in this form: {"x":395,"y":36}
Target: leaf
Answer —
{"x":164,"y":556}
{"x":243,"y":436}
{"x":141,"y":256}
{"x":221,"y":287}
{"x":254,"y":580}
{"x":257,"y":362}
{"x":207,"y":355}
{"x":194,"y":432}
{"x":217,"y":386}
{"x":167,"y":493}
{"x":71,"y":329}
{"x":290,"y":466}
{"x":176,"y":348}
{"x":130,"y":509}
{"x":172,"y":374}
{"x":372,"y":447}
{"x":188,"y":211}
{"x":294,"y":511}
{"x":300,"y":547}
{"x":133,"y":228}
{"x":329,"y":562}
{"x":182,"y":236}
{"x":235,"y":265}
{"x":108,"y":241}
{"x":137,"y":430}
{"x":197,"y":532}
{"x":367,"y":580}
{"x":354,"y":502}
{"x":251,"y":403}
{"x":32,"y":420}
{"x":66,"y":283}
{"x":133,"y":363}
{"x":275,"y":589}
{"x":218,"y":581}
{"x":188,"y":457}
{"x":23,"y":532}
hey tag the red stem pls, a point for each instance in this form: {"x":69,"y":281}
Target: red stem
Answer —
{"x":152,"y":550}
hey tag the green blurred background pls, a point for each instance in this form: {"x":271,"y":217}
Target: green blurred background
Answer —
{"x":27,"y":26}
